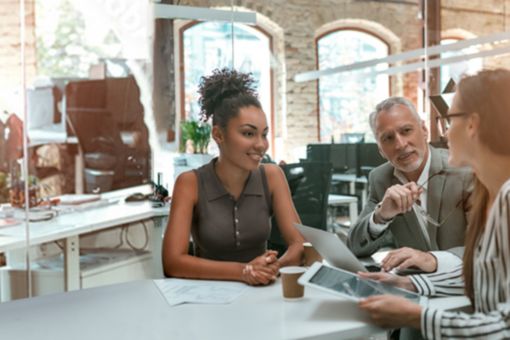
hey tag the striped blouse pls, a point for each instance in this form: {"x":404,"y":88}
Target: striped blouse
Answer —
{"x":491,"y":276}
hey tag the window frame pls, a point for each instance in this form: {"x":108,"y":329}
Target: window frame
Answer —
{"x":181,"y":75}
{"x":332,"y":31}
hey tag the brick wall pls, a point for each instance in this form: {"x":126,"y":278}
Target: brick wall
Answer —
{"x":10,"y":51}
{"x":294,"y":25}
{"x":300,"y":20}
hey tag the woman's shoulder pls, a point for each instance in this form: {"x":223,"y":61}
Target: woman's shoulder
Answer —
{"x":502,"y":204}
{"x":186,"y":182}
{"x":504,"y":192}
{"x":274,"y":174}
{"x":505,"y":189}
{"x":504,"y":196}
{"x":272,"y":170}
{"x":187,"y":176}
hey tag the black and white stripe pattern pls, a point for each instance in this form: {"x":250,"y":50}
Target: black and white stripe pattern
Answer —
{"x":440,"y":284}
{"x":491,"y":275}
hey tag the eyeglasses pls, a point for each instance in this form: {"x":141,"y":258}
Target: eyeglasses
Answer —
{"x":440,"y":172}
{"x":425,"y":214}
{"x":432,"y":220}
{"x":419,"y":209}
{"x":443,"y":122}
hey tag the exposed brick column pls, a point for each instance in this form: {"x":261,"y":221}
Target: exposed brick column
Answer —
{"x":10,"y":48}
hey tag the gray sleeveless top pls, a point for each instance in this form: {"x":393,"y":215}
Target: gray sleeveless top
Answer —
{"x":228,"y":230}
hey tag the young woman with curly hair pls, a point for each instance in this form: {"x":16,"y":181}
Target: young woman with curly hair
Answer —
{"x":227,"y":205}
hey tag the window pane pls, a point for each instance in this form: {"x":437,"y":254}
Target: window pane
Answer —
{"x":456,"y":70}
{"x":347,"y":98}
{"x":208,"y":46}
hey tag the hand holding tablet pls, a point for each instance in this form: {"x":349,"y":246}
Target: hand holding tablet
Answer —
{"x":349,"y":285}
{"x":395,"y":280}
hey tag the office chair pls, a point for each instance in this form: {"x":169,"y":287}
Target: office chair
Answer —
{"x":309,"y":184}
{"x":108,"y":120}
{"x":369,"y":158}
{"x":99,"y":143}
{"x":318,"y":152}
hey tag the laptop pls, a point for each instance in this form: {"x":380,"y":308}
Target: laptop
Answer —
{"x":334,"y":251}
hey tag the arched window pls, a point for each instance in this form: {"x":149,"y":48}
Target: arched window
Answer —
{"x":346,"y":99}
{"x":208,"y":45}
{"x":455,"y":70}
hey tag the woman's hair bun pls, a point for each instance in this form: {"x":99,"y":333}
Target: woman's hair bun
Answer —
{"x":222,"y":84}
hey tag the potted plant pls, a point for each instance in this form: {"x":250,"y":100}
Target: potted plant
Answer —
{"x":198,"y":133}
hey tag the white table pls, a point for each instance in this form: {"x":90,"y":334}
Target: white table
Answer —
{"x":70,"y":226}
{"x":137,"y":310}
{"x":351,"y":201}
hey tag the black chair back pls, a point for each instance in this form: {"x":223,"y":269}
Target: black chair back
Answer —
{"x":309,"y":184}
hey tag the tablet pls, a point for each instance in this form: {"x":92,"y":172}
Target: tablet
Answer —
{"x":349,"y":285}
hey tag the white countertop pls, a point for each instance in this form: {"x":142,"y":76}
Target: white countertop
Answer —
{"x":81,"y":221}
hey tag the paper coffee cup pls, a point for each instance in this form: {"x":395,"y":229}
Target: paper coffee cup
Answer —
{"x":290,"y":287}
{"x":310,"y":255}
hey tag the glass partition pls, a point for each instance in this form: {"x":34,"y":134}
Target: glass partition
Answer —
{"x":84,"y":100}
{"x":74,"y":78}
{"x":17,"y":185}
{"x":101,"y":89}
{"x":86,"y":91}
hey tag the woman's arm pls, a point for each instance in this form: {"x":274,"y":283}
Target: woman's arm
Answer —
{"x":440,"y":284}
{"x":436,"y":284}
{"x":177,"y":262}
{"x":285,"y":214}
{"x":439,"y":324}
{"x":394,"y":312}
{"x":390,"y":311}
{"x":492,"y":286}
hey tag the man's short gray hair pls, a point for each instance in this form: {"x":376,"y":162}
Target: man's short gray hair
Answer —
{"x":386,"y":105}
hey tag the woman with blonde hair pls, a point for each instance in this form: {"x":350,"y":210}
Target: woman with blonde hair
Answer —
{"x":478,"y":136}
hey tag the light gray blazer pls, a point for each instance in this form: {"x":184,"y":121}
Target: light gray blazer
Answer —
{"x":446,"y":193}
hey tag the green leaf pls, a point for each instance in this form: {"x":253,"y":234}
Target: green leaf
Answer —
{"x":198,"y":132}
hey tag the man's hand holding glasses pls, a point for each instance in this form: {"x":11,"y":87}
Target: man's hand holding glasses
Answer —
{"x":398,"y":199}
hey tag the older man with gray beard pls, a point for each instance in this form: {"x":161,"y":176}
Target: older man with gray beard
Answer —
{"x":416,"y":203}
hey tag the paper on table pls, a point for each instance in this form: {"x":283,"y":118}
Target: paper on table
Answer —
{"x":178,"y":291}
{"x":8,"y":221}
